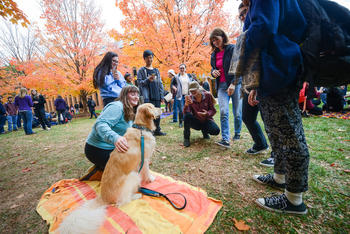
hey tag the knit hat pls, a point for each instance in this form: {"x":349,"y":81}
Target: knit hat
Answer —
{"x":171,"y":71}
{"x":193,"y":86}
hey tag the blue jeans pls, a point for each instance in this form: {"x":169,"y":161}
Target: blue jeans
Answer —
{"x":27,"y":117}
{"x":2,"y":123}
{"x":19,"y":123}
{"x":177,"y":109}
{"x":12,"y":121}
{"x":250,"y":113}
{"x":224,"y":100}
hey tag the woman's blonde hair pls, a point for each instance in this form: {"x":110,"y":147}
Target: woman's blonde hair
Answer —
{"x":23,"y":92}
{"x":129,"y":110}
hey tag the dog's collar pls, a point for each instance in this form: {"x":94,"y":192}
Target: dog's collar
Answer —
{"x":141,"y":127}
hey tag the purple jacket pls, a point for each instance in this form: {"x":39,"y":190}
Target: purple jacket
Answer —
{"x":60,"y":104}
{"x":24,"y":104}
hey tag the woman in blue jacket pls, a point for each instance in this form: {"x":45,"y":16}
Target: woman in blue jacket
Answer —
{"x":108,"y":79}
{"x":274,"y":29}
{"x":220,"y":63}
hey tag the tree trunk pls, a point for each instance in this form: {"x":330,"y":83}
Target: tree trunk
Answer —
{"x":83,"y":96}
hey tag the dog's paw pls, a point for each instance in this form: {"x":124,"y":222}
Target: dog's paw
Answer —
{"x":150,"y":178}
{"x":136,"y":196}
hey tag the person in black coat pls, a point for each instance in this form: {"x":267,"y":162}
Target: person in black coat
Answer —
{"x":91,"y":105}
{"x":39,"y":109}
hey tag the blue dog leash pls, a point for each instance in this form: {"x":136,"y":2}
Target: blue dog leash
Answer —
{"x":147,"y":191}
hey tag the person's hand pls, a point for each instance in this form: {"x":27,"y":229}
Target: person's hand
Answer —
{"x":203,"y":113}
{"x":188,"y":100}
{"x":151,"y":78}
{"x":252,"y":98}
{"x":216,"y":73}
{"x":230,"y":90}
{"x":121,"y":145}
{"x":35,"y":102}
{"x":174,"y":88}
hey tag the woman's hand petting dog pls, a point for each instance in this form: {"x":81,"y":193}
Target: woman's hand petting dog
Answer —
{"x":121,"y":145}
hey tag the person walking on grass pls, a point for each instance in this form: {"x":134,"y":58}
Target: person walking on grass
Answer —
{"x":39,"y":109}
{"x":151,"y":86}
{"x":2,"y":116}
{"x":199,"y":111}
{"x":11,"y":111}
{"x":273,"y":31}
{"x":91,"y":104}
{"x":24,"y":104}
{"x":61,"y":106}
{"x":220,"y":63}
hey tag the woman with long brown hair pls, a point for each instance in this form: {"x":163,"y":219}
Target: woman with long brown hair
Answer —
{"x":107,"y":133}
{"x":24,"y":104}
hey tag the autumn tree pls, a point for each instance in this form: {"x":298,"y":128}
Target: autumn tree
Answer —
{"x":176,"y":31}
{"x":73,"y":39}
{"x":10,"y":11}
{"x":19,"y":48}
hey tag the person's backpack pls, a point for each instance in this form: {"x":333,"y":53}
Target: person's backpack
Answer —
{"x":326,"y":48}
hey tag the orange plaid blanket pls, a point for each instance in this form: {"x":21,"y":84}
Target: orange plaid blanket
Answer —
{"x":338,"y":115}
{"x":145,"y":215}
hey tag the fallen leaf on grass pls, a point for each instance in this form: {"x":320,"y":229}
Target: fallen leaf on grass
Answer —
{"x":32,"y":162}
{"x":164,"y":157}
{"x":201,"y":170}
{"x":240,"y":225}
{"x":347,"y":170}
{"x":27,"y":169}
{"x":20,"y":196}
{"x":14,"y":206}
{"x":332,"y":164}
{"x":340,"y":130}
{"x":341,"y":150}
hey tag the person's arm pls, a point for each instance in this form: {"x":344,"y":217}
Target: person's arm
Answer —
{"x":263,"y":17}
{"x":42,"y":99}
{"x":141,"y":78}
{"x":211,"y":110}
{"x":30,"y":102}
{"x":161,"y":87}
{"x":109,"y":117}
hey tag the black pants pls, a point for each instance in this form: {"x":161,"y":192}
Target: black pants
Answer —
{"x":97,"y":156}
{"x":92,"y":112}
{"x":156,"y":121}
{"x":208,"y":127}
{"x":108,"y":100}
{"x":59,"y":113}
{"x":40,"y":113}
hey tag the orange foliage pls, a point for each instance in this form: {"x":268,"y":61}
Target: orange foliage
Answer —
{"x":9,"y":10}
{"x":176,"y":31}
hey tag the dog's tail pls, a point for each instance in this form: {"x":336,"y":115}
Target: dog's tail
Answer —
{"x":86,"y":219}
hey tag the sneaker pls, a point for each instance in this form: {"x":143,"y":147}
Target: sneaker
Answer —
{"x":254,"y":151}
{"x":206,"y":136}
{"x":281,"y":204}
{"x":48,"y":128}
{"x":268,"y":180}
{"x":187,"y":142}
{"x":173,"y":121}
{"x":159,"y":133}
{"x":224,"y":143}
{"x":180,"y":125}
{"x":236,"y":137}
{"x":270,"y":162}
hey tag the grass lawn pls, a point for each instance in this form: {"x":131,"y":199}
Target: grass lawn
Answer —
{"x":30,"y":164}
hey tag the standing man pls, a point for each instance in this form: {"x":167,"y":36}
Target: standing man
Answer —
{"x":151,"y":86}
{"x":2,"y":117}
{"x":91,"y":104}
{"x":185,"y":80}
{"x":11,"y":111}
{"x":176,"y":88}
{"x":199,"y":111}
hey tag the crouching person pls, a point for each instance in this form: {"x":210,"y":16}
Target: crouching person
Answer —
{"x":199,"y":111}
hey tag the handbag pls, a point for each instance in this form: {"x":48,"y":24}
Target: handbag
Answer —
{"x":168,"y":97}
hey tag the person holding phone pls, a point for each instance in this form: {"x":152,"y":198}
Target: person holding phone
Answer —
{"x":108,"y":79}
{"x":151,"y":86}
{"x":199,"y":111}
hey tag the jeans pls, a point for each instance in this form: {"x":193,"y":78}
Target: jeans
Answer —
{"x":2,"y":123}
{"x":12,"y":121}
{"x":19,"y":123}
{"x":249,"y":114}
{"x":178,"y":108}
{"x":42,"y":118}
{"x":208,"y":127}
{"x":27,"y":117}
{"x":92,"y":113}
{"x":224,"y":100}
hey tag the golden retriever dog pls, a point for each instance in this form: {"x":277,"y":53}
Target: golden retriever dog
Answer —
{"x":120,"y":179}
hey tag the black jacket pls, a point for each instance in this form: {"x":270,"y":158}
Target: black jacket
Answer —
{"x":227,"y":62}
{"x":41,"y":104}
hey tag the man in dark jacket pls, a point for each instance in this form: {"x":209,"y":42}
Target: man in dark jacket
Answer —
{"x":91,"y":104}
{"x":11,"y":111}
{"x":151,"y":86}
